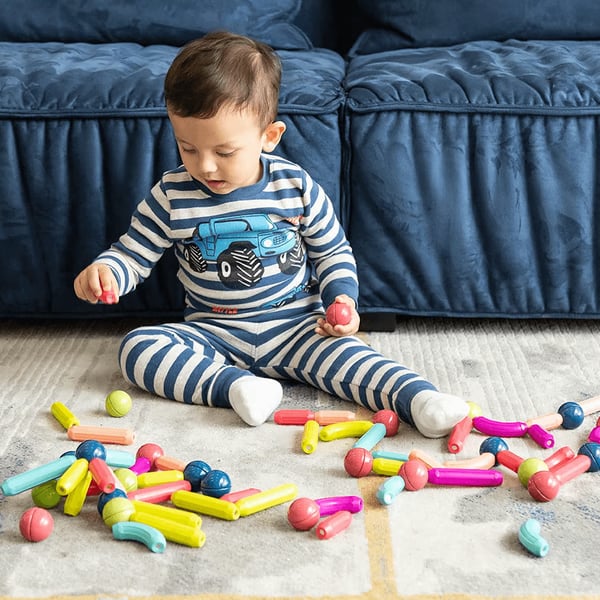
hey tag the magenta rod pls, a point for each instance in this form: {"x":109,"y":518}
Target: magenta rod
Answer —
{"x":333,"y":504}
{"x":500,"y":428}
{"x":467,"y":477}
{"x":540,"y":436}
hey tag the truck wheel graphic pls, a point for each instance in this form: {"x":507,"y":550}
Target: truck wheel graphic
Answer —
{"x":239,"y":268}
{"x":193,"y":255}
{"x":290,"y":262}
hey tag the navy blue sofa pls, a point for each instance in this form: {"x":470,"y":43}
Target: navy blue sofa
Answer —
{"x":458,"y":140}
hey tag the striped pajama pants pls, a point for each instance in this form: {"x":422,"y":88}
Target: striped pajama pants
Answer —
{"x":197,"y":361}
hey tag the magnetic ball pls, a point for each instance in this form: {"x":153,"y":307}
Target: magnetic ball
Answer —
{"x":414,"y":473}
{"x":493,"y":445}
{"x":592,"y":450}
{"x":474,"y":410}
{"x":127,"y":478}
{"x":543,"y":486}
{"x":528,"y":467}
{"x":45,"y":495}
{"x":105,"y":497}
{"x":358,"y":462}
{"x":36,"y":524}
{"x":215,"y":483}
{"x":116,"y":510}
{"x":338,"y":313}
{"x":149,"y":451}
{"x":572,"y":415}
{"x":195,"y":472}
{"x":118,"y":403}
{"x":303,"y":514}
{"x":388,"y":418}
{"x":90,"y":449}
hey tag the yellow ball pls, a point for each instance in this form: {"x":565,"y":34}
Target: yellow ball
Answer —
{"x":118,"y":403}
{"x":116,"y":510}
{"x":528,"y":467}
{"x":474,"y":410}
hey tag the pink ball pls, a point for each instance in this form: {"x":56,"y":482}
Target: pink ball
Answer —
{"x":543,"y":486}
{"x":388,"y":418}
{"x":358,"y":462}
{"x":36,"y":524}
{"x":414,"y":473}
{"x":338,"y":313}
{"x":151,"y":452}
{"x":303,"y":514}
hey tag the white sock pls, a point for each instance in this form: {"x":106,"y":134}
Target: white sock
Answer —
{"x":255,"y":398}
{"x":435,"y":414}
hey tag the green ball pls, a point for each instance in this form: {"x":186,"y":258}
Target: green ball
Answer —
{"x":128,"y":478}
{"x":45,"y":495}
{"x":116,"y":510}
{"x":118,"y":403}
{"x":528,"y":467}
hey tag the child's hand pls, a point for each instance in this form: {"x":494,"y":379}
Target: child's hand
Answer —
{"x":93,"y":281}
{"x":325,"y":328}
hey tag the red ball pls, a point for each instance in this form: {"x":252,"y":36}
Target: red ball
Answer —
{"x":414,"y":473}
{"x":36,"y":524}
{"x":543,"y":486}
{"x":338,"y":313}
{"x":388,"y":418}
{"x":303,"y":514}
{"x":151,"y":452}
{"x":358,"y":462}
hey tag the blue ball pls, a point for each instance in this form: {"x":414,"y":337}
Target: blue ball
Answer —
{"x":103,"y":498}
{"x":216,"y":484}
{"x":90,"y":449}
{"x":195,"y":472}
{"x":592,"y":450}
{"x":493,"y":445}
{"x":572,"y":415}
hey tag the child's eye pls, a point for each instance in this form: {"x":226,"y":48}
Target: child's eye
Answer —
{"x":225,"y":154}
{"x":188,"y":150}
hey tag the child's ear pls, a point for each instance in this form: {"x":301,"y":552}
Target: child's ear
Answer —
{"x":272,"y":135}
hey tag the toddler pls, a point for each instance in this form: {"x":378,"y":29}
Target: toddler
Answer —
{"x":261,"y":255}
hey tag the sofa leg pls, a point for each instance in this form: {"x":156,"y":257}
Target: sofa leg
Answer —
{"x":378,"y":322}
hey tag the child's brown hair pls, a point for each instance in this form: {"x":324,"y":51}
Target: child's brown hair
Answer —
{"x":224,"y":69}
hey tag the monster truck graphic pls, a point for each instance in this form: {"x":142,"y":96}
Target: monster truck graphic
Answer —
{"x":238,"y":244}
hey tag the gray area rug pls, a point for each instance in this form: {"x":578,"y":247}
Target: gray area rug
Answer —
{"x":440,"y":542}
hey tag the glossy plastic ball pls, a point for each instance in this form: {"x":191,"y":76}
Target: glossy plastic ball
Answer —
{"x":528,"y":467}
{"x":118,"y":403}
{"x":195,"y":472}
{"x":216,"y":483}
{"x":543,"y":486}
{"x":493,"y":445}
{"x":127,"y":478}
{"x":105,"y":497}
{"x":117,"y":510}
{"x":414,"y":473}
{"x":592,"y":450}
{"x":358,"y":462}
{"x":572,"y":415}
{"x":45,"y":495}
{"x":303,"y":514}
{"x":36,"y":524}
{"x":388,"y":418}
{"x":338,"y":313}
{"x":90,"y":449}
{"x":150,"y":451}
{"x":474,"y":410}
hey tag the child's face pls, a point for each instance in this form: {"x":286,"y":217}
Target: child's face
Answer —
{"x":223,"y":152}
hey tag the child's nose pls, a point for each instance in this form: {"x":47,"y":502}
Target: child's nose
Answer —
{"x":207,"y":164}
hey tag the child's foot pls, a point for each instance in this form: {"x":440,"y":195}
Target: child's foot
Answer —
{"x":255,"y":398}
{"x":435,"y":414}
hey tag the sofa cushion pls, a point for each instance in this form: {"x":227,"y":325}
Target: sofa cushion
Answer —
{"x":410,"y":23}
{"x":479,"y":163}
{"x":150,"y":21}
{"x":85,"y":135}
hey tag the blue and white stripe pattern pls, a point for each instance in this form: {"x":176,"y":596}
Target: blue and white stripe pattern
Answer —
{"x":250,"y":308}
